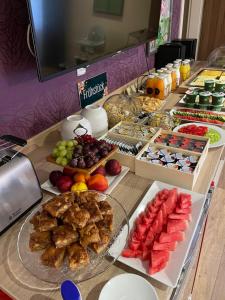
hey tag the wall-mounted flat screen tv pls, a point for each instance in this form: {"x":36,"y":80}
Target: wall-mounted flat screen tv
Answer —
{"x":69,"y":34}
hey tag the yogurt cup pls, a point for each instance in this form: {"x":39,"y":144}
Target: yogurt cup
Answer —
{"x":209,"y":85}
{"x":220,"y":86}
{"x":204,"y":97}
{"x":217,"y":98}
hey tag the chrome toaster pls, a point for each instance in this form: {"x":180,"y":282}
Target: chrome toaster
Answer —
{"x":19,"y":186}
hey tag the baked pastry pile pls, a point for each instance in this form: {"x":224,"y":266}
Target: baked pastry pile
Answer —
{"x":69,"y":226}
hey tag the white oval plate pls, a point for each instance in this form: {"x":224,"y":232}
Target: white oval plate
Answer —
{"x":128,"y":287}
{"x":221,"y":131}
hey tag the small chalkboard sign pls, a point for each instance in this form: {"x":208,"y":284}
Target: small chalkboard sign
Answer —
{"x":92,"y":89}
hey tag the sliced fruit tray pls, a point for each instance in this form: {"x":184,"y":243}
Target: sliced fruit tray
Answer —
{"x":197,"y":115}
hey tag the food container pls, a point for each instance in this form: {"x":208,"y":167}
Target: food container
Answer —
{"x":216,"y":107}
{"x":191,"y":96}
{"x":161,"y":119}
{"x":125,"y":158}
{"x":190,"y":105}
{"x":121,"y":107}
{"x":220,"y":86}
{"x":170,"y":173}
{"x":217,"y":98}
{"x":204,"y":97}
{"x":209,"y":85}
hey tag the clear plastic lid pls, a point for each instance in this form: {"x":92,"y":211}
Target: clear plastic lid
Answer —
{"x":217,"y":57}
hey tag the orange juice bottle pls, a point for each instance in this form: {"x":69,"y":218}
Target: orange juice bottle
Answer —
{"x":184,"y":69}
{"x":150,"y":85}
{"x":174,"y":78}
{"x":160,"y":87}
{"x":188,"y":67}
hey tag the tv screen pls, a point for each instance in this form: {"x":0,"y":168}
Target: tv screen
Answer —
{"x":70,"y":34}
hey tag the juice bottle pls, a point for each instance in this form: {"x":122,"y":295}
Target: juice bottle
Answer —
{"x":169,"y":72}
{"x":188,"y":67}
{"x":160,"y":87}
{"x":184,"y":69}
{"x":177,"y":67}
{"x":178,"y":61}
{"x":150,"y":85}
{"x":174,"y":78}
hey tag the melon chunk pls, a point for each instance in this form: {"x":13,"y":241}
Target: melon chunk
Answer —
{"x":177,"y":225}
{"x":171,"y":237}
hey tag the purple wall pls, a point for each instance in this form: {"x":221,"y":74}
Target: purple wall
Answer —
{"x":28,"y":106}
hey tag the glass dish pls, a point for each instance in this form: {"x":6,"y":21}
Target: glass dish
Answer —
{"x":98,"y":262}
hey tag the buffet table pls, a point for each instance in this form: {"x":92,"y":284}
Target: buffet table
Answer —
{"x":206,"y":253}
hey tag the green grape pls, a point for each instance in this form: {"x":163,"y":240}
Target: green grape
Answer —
{"x":59,"y":160}
{"x":69,"y":144}
{"x":63,"y":153}
{"x":58,"y":143}
{"x":61,"y":147}
{"x":55,"y":153}
{"x":64,"y":162}
{"x":69,"y":156}
{"x":75,"y":142}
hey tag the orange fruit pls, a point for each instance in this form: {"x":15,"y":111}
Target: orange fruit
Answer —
{"x":79,"y":177}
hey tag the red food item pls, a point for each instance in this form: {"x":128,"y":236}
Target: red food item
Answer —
{"x":171,"y":246}
{"x":176,"y":225}
{"x":171,"y":237}
{"x":183,"y":210}
{"x":68,"y":171}
{"x":100,"y":170}
{"x":153,"y":270}
{"x":64,"y":183}
{"x":98,"y":182}
{"x":113,"y":167}
{"x":54,"y":177}
{"x":159,"y":257}
{"x":154,"y":234}
{"x":194,"y":129}
{"x":179,"y":217}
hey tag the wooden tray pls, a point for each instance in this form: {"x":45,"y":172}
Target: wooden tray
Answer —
{"x":87,"y":170}
{"x":171,"y":176}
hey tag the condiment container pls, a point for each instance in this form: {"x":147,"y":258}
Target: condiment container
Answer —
{"x":217,"y":98}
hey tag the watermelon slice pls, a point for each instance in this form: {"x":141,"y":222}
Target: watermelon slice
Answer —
{"x":157,"y":269}
{"x":185,"y":198}
{"x":177,"y":225}
{"x":179,"y":217}
{"x":186,"y":204}
{"x":183,"y":210}
{"x":159,"y":257}
{"x":171,"y":237}
{"x":128,"y":253}
{"x":165,"y":246}
{"x":171,"y":201}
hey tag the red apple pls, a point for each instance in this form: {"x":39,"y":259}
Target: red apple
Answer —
{"x":54,"y":177}
{"x":64,"y":183}
{"x":113,"y":167}
{"x":68,"y":171}
{"x":100,"y":170}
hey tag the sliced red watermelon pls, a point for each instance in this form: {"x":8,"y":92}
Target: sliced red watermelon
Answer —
{"x":171,"y":237}
{"x":171,"y":201}
{"x":150,"y":236}
{"x":179,"y":216}
{"x":128,"y":253}
{"x":141,"y":229}
{"x":171,"y":246}
{"x":176,"y":225}
{"x":183,"y":210}
{"x":133,"y":245}
{"x":186,"y":204}
{"x":185,"y":198}
{"x":159,"y":257}
{"x":157,"y":269}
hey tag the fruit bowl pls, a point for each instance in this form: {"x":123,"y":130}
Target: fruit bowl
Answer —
{"x":83,"y":154}
{"x":98,"y":262}
{"x":51,"y":159}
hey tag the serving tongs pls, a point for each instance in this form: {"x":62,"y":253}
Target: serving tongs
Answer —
{"x":7,"y":143}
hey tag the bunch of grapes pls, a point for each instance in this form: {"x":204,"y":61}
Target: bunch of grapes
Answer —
{"x":63,"y":152}
{"x":89,"y":151}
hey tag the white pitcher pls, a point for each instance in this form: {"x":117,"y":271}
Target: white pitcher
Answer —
{"x":75,"y":125}
{"x":97,"y":117}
